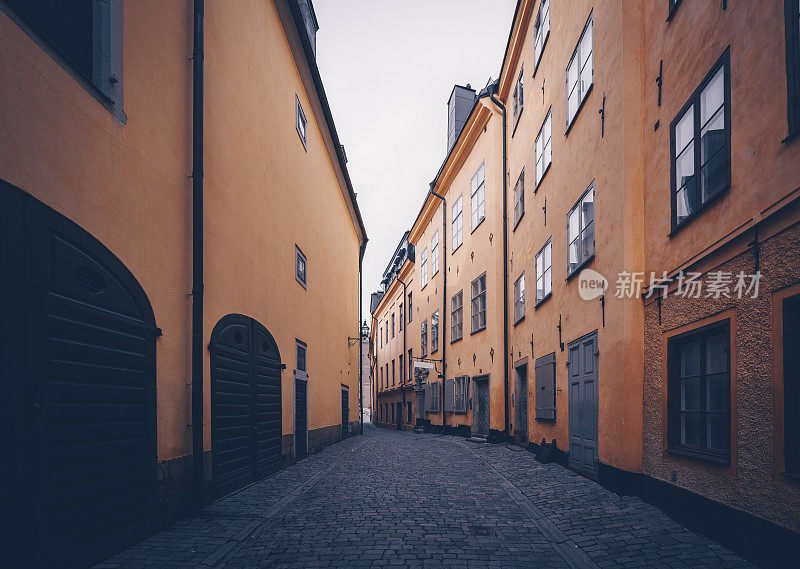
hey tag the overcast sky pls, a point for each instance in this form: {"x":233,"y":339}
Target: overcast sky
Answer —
{"x":388,"y":69}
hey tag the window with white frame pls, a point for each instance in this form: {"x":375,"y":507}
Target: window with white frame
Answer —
{"x":519,"y":198}
{"x":435,"y":253}
{"x":423,"y":270}
{"x":478,"y":193}
{"x":580,"y":72}
{"x":460,"y":404}
{"x":457,"y":316}
{"x":479,"y":303}
{"x":544,"y":271}
{"x":423,"y":337}
{"x":580,"y":231}
{"x":300,"y":123}
{"x":519,"y":100}
{"x":541,"y":31}
{"x":458,"y":223}
{"x":401,"y":316}
{"x":519,"y":298}
{"x":435,"y":331}
{"x":544,"y":147}
{"x":300,"y":268}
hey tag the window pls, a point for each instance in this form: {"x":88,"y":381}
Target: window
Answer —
{"x":401,"y":316}
{"x":402,"y":377}
{"x":393,"y":371}
{"x":392,"y":324}
{"x":410,"y":308}
{"x":381,"y":382}
{"x":300,"y":358}
{"x":423,"y":336}
{"x":519,"y":198}
{"x":460,"y":397}
{"x":699,"y":393}
{"x":541,"y":31}
{"x":423,"y":275}
{"x":704,"y":118}
{"x":458,"y":223}
{"x":387,"y":375}
{"x":673,"y":5}
{"x":410,"y":365}
{"x":545,"y":373}
{"x":392,"y":406}
{"x":519,"y":298}
{"x":792,"y":13}
{"x":435,"y":253}
{"x":544,"y":147}
{"x":457,"y":316}
{"x":518,"y":95}
{"x":380,"y":334}
{"x":791,"y":384}
{"x":478,"y":200}
{"x":580,"y":231}
{"x":544,"y":272}
{"x":435,"y":331}
{"x":479,"y":303}
{"x":300,"y":268}
{"x":301,"y":122}
{"x":434,"y":397}
{"x":580,"y":73}
{"x":86,"y":35}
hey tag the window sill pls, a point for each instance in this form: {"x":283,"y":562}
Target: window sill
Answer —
{"x":791,"y":475}
{"x":699,"y":455}
{"x":543,"y":300}
{"x":687,"y":220}
{"x":546,"y":170}
{"x":544,"y":420}
{"x":792,"y":136}
{"x":517,"y":221}
{"x":457,"y":248}
{"x":478,"y":330}
{"x":454,"y":340}
{"x":518,"y":320}
{"x":579,"y":267}
{"x":474,"y":229}
{"x":302,"y":284}
{"x":516,"y":121}
{"x":580,"y":106}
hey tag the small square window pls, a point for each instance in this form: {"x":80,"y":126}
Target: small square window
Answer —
{"x":300,"y":269}
{"x":301,"y":122}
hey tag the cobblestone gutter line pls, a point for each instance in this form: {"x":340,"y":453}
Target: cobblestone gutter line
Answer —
{"x":568,"y":549}
{"x":220,"y":557}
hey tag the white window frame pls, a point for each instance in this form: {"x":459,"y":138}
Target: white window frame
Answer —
{"x":541,"y":31}
{"x":423,"y":269}
{"x":544,"y":272}
{"x":457,"y":316}
{"x":519,"y":198}
{"x":458,"y":223}
{"x":478,"y":304}
{"x":423,"y":337}
{"x":519,"y":298}
{"x":544,"y":147}
{"x":478,"y":195}
{"x":300,"y":257}
{"x":435,"y":332}
{"x":583,"y":77}
{"x":435,"y":253}
{"x":582,"y":255}
{"x":301,"y":122}
{"x":519,"y":95}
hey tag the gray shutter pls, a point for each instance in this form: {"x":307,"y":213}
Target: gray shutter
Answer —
{"x":546,"y":387}
{"x":428,"y":398}
{"x":449,"y":395}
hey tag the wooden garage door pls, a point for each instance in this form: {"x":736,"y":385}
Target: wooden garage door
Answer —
{"x":84,"y":397}
{"x":246,"y":403}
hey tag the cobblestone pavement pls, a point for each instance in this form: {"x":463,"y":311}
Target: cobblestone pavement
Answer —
{"x":392,"y":499}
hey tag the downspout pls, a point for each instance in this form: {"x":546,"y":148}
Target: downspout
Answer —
{"x":408,"y":364}
{"x":443,"y":319}
{"x":198,"y":469}
{"x":497,"y":102}
{"x":360,"y":341}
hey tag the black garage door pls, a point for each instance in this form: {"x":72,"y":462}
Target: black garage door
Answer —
{"x":80,"y":390}
{"x":246,"y":403}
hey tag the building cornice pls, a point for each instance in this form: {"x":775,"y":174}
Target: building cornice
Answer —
{"x":513,"y":52}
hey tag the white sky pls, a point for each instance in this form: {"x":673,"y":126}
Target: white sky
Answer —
{"x":388,"y":68}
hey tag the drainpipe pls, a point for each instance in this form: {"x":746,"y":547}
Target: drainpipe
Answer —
{"x":443,"y":319}
{"x":198,"y":468}
{"x":497,"y":102}
{"x":360,"y":342}
{"x":408,"y":364}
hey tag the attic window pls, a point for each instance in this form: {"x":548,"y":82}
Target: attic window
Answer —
{"x":301,"y":122}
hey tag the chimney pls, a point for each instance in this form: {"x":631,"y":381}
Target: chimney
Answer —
{"x":462,"y":99}
{"x":310,"y":21}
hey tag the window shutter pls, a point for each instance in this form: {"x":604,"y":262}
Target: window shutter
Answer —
{"x":428,"y":398}
{"x":545,"y":370}
{"x":449,"y":395}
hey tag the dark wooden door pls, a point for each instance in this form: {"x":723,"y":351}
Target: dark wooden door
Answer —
{"x":245,"y":403}
{"x":521,"y":401}
{"x":482,"y":404}
{"x":345,"y":412}
{"x":300,"y":418}
{"x":791,"y":383}
{"x":583,"y":455}
{"x":79,"y":394}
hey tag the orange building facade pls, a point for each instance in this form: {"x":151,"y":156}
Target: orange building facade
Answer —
{"x":100,"y":227}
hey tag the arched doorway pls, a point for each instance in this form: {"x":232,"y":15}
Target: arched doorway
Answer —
{"x":80,"y":390}
{"x":245,"y":403}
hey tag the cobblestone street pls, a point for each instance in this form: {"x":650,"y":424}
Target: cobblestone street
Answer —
{"x":394,"y":499}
